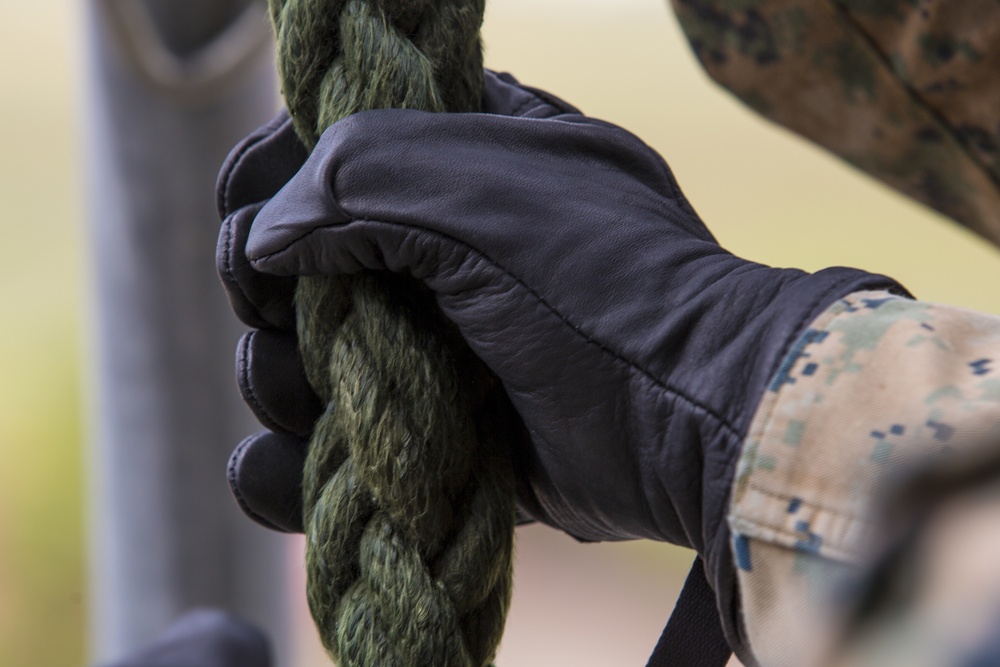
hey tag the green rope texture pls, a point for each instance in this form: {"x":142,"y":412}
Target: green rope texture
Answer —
{"x":408,"y":495}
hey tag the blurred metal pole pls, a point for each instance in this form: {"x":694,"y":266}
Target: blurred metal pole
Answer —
{"x":171,"y":86}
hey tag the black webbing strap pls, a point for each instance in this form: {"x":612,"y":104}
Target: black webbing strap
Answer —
{"x":693,"y":635}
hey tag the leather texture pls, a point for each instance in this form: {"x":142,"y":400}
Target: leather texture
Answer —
{"x":204,"y":638}
{"x":634,"y":348}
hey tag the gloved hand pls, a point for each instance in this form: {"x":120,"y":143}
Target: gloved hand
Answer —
{"x":633,"y":347}
{"x":204,"y":638}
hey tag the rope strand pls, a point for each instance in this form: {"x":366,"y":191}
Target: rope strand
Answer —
{"x":408,"y":494}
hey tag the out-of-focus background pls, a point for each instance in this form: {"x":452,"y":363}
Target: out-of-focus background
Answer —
{"x":767,"y":195}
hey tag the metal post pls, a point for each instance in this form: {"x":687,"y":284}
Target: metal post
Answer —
{"x":171,"y":86}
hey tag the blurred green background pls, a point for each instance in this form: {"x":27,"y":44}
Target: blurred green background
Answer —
{"x":767,"y":195}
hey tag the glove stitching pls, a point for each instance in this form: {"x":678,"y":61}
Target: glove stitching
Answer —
{"x":231,"y":164}
{"x":227,"y":177}
{"x":231,"y":477}
{"x":246,"y":310}
{"x":227,"y":264}
{"x":254,"y":261}
{"x":544,"y":95}
{"x":530,"y":100}
{"x":553,"y":101}
{"x":246,"y":387}
{"x":828,"y":296}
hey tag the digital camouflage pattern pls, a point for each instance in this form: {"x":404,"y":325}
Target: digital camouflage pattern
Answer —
{"x":878,"y":386}
{"x":906,"y":90}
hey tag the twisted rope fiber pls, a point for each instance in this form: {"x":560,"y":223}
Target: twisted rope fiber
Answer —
{"x":407,"y":495}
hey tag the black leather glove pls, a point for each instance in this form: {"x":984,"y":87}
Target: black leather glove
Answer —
{"x":204,"y":638}
{"x":265,"y":471}
{"x":634,"y":348}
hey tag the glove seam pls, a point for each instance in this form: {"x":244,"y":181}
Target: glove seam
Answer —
{"x":541,"y":96}
{"x":231,"y":477}
{"x":228,"y":176}
{"x":827,"y":297}
{"x":231,"y":164}
{"x":710,"y":412}
{"x":246,"y":387}
{"x":724,"y":529}
{"x":553,"y":101}
{"x":532,"y":99}
{"x":227,"y":265}
{"x":240,"y":300}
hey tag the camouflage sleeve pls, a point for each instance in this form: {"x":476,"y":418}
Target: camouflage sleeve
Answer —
{"x":906,"y":90}
{"x":877,"y":385}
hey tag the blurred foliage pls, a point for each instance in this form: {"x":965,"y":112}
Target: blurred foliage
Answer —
{"x":766,"y":194}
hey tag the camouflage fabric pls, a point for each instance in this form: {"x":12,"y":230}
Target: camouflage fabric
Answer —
{"x":876,"y":387}
{"x":906,"y":90}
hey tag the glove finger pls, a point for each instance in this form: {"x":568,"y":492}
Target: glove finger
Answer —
{"x":265,"y":476}
{"x":273,"y":382}
{"x":467,"y":182}
{"x":260,"y":300}
{"x":259,"y":165}
{"x":204,"y":638}
{"x":263,"y":162}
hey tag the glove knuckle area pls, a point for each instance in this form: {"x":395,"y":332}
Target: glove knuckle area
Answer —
{"x":383,"y":150}
{"x":367,"y":131}
{"x":259,"y":300}
{"x":338,"y":249}
{"x":450,"y":172}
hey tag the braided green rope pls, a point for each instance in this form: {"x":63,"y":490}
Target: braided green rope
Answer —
{"x":408,"y":499}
